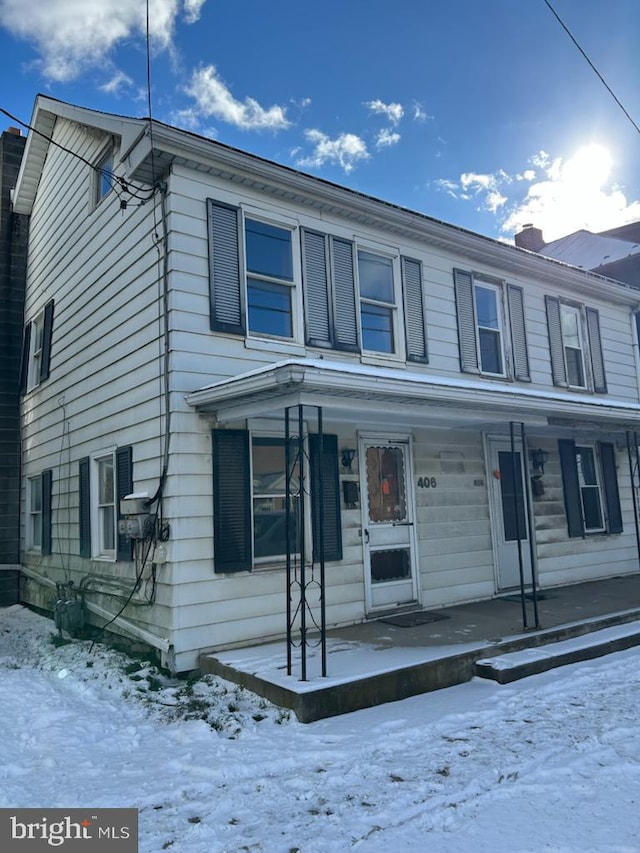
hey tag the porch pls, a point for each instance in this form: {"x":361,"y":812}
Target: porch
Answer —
{"x":404,"y":654}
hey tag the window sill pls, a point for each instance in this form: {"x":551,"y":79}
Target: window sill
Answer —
{"x":275,"y":345}
{"x":383,"y":360}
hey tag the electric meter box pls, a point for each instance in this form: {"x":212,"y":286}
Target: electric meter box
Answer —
{"x":135,"y":504}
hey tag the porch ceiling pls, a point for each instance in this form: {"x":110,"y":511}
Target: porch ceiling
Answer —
{"x":349,"y":392}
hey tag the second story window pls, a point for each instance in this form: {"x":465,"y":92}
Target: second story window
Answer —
{"x":489,"y":326}
{"x":377,"y":302}
{"x":103,"y":179}
{"x":36,"y":349}
{"x":575,"y":344}
{"x":269,"y":265}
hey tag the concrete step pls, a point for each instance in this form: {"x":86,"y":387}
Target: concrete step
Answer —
{"x":515,"y":665}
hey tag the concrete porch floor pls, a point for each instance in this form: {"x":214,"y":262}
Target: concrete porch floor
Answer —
{"x":380,"y":661}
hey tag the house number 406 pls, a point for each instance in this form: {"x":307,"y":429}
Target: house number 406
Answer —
{"x":427,"y":482}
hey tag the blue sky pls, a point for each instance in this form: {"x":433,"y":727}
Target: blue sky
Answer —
{"x":481,"y":113}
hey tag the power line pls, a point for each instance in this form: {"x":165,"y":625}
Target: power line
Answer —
{"x":117,"y":183}
{"x":593,"y":67}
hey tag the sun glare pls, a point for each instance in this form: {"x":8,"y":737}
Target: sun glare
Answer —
{"x":590,"y":166}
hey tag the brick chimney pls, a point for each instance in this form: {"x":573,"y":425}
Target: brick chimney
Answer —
{"x":530,"y":238}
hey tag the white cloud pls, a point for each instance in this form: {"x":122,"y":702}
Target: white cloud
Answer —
{"x":572,"y":194}
{"x":213,"y":98}
{"x":562,"y":196}
{"x":119,"y":81}
{"x":346,"y":150}
{"x":74,"y":35}
{"x":387,"y":137}
{"x":393,"y":112}
{"x":418,"y":113}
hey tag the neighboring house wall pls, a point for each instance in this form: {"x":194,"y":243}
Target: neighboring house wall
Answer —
{"x":13,"y":243}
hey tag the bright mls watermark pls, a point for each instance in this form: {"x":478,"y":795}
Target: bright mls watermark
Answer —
{"x":69,"y":830}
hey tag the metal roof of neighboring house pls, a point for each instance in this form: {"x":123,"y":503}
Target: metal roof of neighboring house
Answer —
{"x":589,"y":251}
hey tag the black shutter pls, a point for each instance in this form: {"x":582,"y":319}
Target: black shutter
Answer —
{"x":610,"y":481}
{"x":571,"y":487}
{"x":323,"y":454}
{"x":225,"y":279}
{"x":24,"y":363}
{"x":466,"y":313}
{"x":344,"y":296}
{"x":595,"y":348}
{"x":414,"y":314}
{"x":84,"y":509}
{"x":47,"y":331}
{"x":515,"y":297}
{"x":232,"y":528}
{"x":46,"y":512}
{"x":556,"y":345}
{"x":124,"y":486}
{"x":316,"y":289}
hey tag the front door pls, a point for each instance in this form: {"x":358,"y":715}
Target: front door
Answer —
{"x":387,"y":530}
{"x":509,"y":513}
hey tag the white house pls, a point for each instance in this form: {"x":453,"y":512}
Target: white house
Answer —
{"x":431,"y":414}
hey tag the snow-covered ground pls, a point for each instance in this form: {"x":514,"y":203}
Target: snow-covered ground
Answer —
{"x":547,"y":764}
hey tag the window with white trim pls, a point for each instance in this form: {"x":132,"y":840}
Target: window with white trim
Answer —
{"x":489,"y":327}
{"x":573,"y":344}
{"x":590,"y":489}
{"x":34,"y":503}
{"x":103,"y":176}
{"x":268,"y":464}
{"x":377,"y":302}
{"x":104,"y":516}
{"x":36,"y":349}
{"x":269,"y":279}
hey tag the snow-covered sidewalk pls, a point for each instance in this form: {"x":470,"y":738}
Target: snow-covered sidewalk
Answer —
{"x":551,"y":763}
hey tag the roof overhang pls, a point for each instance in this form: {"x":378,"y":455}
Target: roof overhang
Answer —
{"x":363,"y":393}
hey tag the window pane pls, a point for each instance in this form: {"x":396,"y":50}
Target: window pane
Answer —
{"x":105,"y":481}
{"x":487,"y":307}
{"x":269,"y":308}
{"x":36,"y":530}
{"x":490,"y":352}
{"x":585,"y":462}
{"x":376,"y":277}
{"x":108,"y":528}
{"x":386,"y":494}
{"x":269,"y":497}
{"x":592,"y":509}
{"x":515,"y":526}
{"x":390,"y":565}
{"x":570,"y":327}
{"x":268,"y":250}
{"x":377,"y":328}
{"x":575,"y":368}
{"x":36,"y":494}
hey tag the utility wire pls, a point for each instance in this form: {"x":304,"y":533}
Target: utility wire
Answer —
{"x":593,"y":67}
{"x":116,"y":182}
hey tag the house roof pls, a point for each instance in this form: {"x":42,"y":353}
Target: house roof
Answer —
{"x":148,"y":150}
{"x":589,"y":251}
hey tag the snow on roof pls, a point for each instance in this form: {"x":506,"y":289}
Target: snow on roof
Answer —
{"x":589,"y":251}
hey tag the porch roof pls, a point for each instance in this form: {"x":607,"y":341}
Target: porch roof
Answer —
{"x":348,"y":391}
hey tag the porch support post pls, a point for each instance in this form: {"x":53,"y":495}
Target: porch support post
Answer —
{"x":320,"y":548}
{"x":300,"y":526}
{"x":634,"y":476}
{"x":287,"y":528}
{"x":304,"y":490}
{"x":530,"y":517}
{"x":515,"y":467}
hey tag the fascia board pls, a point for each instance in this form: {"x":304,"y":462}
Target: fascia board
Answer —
{"x":317,"y":192}
{"x":315,"y":381}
